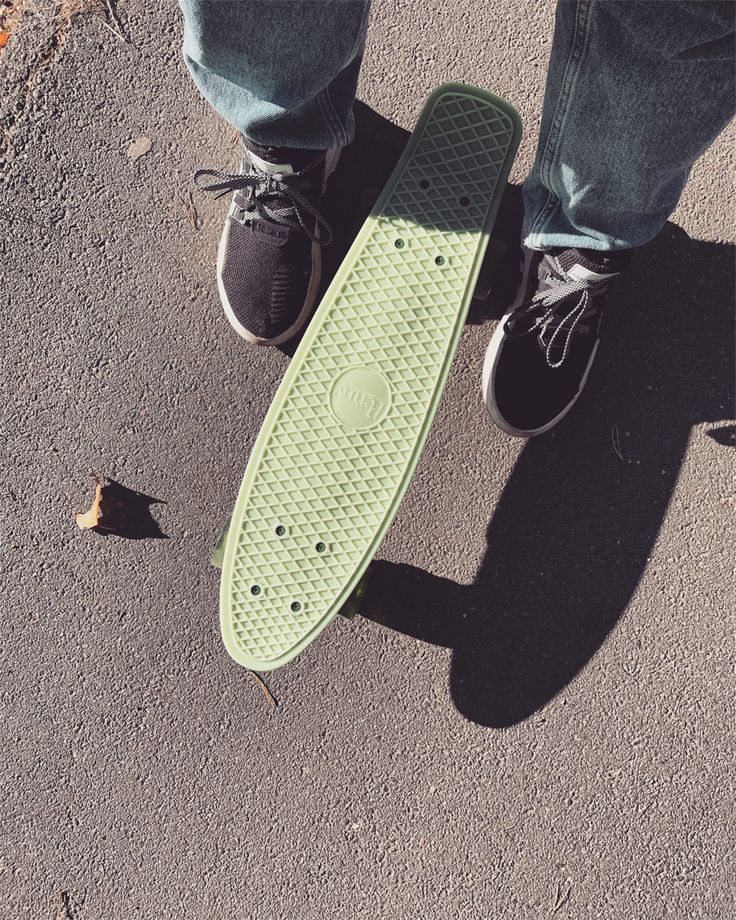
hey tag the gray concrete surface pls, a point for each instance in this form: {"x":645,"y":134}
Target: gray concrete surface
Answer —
{"x":550,"y":698}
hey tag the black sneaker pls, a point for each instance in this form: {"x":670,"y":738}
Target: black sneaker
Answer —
{"x":540,"y":355}
{"x":269,"y":262}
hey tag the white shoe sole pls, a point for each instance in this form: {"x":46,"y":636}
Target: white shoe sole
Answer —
{"x":331,"y":160}
{"x":490,"y":363}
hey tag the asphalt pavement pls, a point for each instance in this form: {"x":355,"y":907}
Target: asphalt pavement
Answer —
{"x":538,"y":721}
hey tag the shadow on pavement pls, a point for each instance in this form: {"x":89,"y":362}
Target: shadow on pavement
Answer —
{"x":577,"y":520}
{"x":364,"y":169}
{"x":575,"y":525}
{"x":127,"y":514}
{"x":725,"y":435}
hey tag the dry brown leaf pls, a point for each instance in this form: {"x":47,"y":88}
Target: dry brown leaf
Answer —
{"x":139,"y":148}
{"x":4,"y":36}
{"x":87,"y":520}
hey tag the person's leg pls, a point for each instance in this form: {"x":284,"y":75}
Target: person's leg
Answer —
{"x":636,"y":91}
{"x":282,"y":72}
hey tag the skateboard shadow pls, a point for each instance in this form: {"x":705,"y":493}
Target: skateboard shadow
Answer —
{"x":575,"y":525}
{"x":365,"y":168}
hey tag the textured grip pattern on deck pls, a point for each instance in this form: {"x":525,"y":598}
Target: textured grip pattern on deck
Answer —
{"x":391,"y":310}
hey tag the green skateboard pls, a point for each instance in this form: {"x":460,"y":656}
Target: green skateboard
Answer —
{"x":345,"y":430}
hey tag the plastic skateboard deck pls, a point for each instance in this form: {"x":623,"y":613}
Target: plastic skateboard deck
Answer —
{"x":346,"y":427}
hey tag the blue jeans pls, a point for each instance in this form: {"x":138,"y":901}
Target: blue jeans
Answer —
{"x":636,"y":91}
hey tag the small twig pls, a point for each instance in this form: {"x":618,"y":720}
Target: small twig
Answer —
{"x":616,"y":442}
{"x":62,"y":906}
{"x":645,"y":809}
{"x":234,"y":136}
{"x":559,"y":901}
{"x":188,"y":207}
{"x":117,"y":30}
{"x":265,"y":689}
{"x":192,"y":209}
{"x":181,"y":201}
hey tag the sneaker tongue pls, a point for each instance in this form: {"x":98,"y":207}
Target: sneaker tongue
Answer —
{"x":285,"y":169}
{"x":283,"y":160}
{"x":588,"y":265}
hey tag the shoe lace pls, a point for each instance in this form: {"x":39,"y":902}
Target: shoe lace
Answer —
{"x":557,"y":310}
{"x":276,"y":197}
